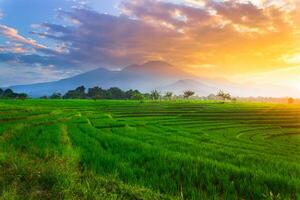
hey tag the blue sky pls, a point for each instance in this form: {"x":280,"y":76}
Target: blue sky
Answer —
{"x":21,"y":14}
{"x":45,"y":40}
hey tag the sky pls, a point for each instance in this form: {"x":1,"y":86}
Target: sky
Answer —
{"x":255,"y":41}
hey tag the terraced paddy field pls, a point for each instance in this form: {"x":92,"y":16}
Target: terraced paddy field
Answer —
{"x":148,"y":150}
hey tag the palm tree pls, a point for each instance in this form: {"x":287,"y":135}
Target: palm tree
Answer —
{"x":187,"y":94}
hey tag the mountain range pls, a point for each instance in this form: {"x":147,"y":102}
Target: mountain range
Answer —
{"x":153,"y":75}
{"x":145,"y":77}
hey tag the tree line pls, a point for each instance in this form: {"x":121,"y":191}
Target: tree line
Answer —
{"x":97,"y":93}
{"x":118,"y":94}
{"x":10,"y":94}
{"x":114,"y":93}
{"x":111,"y":93}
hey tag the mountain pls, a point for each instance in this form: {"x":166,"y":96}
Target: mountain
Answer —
{"x":98,"y":77}
{"x":153,"y":75}
{"x":149,"y":76}
{"x":201,"y":89}
{"x":145,"y":77}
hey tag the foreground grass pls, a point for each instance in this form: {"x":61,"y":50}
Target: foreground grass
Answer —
{"x":152,"y":150}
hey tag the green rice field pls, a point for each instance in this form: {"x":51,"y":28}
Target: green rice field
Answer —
{"x":85,"y":149}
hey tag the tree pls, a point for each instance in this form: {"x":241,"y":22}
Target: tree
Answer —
{"x":147,"y":96}
{"x":78,"y":93}
{"x":99,"y":93}
{"x":223,"y":95}
{"x":138,"y":96}
{"x":290,"y":100}
{"x":129,"y":94}
{"x":169,"y":95}
{"x":8,"y":93}
{"x":115,"y":93}
{"x":22,"y":96}
{"x":55,"y":95}
{"x":96,"y":93}
{"x":187,"y":94}
{"x":155,"y":95}
{"x":134,"y":95}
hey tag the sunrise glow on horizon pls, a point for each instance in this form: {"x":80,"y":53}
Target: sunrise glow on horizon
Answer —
{"x":248,"y":42}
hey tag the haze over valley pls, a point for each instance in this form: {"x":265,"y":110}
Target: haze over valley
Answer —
{"x":153,"y":75}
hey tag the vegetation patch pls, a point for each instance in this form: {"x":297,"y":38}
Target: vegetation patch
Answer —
{"x":85,"y":149}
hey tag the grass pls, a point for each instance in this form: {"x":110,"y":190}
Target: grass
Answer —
{"x":53,"y":149}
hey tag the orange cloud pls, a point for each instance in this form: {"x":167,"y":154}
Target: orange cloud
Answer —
{"x":13,"y":35}
{"x":208,"y":37}
{"x":236,"y":36}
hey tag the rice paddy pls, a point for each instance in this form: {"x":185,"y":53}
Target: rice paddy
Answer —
{"x":80,"y":149}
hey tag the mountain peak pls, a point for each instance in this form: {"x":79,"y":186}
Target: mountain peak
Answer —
{"x":149,"y":66}
{"x":187,"y":81}
{"x":157,"y":63}
{"x":182,"y":85}
{"x":153,"y":67}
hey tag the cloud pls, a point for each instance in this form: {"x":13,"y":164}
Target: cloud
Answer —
{"x":21,"y":50}
{"x":36,"y":59}
{"x":13,"y":35}
{"x":30,"y":74}
{"x":13,"y":48}
{"x":200,"y":3}
{"x":105,"y":39}
{"x":224,"y":34}
{"x":291,"y":59}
